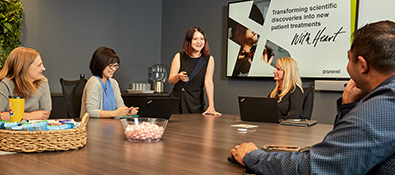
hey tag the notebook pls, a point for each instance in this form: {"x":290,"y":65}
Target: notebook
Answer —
{"x":298,"y":122}
{"x":258,"y":109}
{"x":158,"y":107}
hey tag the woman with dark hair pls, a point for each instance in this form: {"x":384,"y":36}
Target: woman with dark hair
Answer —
{"x":102,"y":96}
{"x":190,"y":71}
{"x":22,"y":75}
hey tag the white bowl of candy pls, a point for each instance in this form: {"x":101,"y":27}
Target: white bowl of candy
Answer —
{"x":144,"y":129}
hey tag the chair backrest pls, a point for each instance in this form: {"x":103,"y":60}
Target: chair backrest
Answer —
{"x":308,"y":102}
{"x":72,"y":93}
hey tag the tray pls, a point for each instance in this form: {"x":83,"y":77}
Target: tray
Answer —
{"x":40,"y":141}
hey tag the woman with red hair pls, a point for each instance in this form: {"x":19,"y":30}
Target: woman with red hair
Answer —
{"x":190,"y":71}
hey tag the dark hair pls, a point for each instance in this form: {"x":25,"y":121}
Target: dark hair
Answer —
{"x":102,"y":57}
{"x":188,"y":39}
{"x":240,"y":35}
{"x":376,"y":43}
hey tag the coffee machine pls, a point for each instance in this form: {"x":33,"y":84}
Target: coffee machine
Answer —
{"x":157,"y":75}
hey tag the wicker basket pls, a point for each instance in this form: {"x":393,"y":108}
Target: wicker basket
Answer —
{"x":39,"y":141}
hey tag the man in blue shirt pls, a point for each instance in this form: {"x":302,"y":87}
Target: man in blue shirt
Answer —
{"x":363,"y":137}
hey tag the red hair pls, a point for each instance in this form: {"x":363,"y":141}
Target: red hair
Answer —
{"x":16,"y":68}
{"x":188,"y":39}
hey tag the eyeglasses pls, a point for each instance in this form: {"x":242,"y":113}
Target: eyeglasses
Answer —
{"x":114,"y":66}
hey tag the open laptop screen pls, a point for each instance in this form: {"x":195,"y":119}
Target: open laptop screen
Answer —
{"x":158,"y":107}
{"x":260,"y":109}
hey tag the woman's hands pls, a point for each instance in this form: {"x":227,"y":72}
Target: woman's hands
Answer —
{"x":211,"y":111}
{"x":183,"y":76}
{"x":122,"y":111}
{"x":37,"y":115}
{"x":5,"y":116}
{"x":133,"y":111}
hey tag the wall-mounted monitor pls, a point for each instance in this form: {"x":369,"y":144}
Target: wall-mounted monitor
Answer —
{"x":371,"y":11}
{"x":314,"y":33}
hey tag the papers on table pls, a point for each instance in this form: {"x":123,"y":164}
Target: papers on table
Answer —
{"x":244,"y":126}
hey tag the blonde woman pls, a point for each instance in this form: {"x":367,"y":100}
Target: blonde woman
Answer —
{"x":288,"y":90}
{"x":22,"y":75}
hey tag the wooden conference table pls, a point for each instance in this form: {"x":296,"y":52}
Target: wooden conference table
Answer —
{"x":192,"y":144}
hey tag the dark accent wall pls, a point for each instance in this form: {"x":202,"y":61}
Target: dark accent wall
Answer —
{"x":179,"y":15}
{"x":66,"y":33}
{"x":143,"y":33}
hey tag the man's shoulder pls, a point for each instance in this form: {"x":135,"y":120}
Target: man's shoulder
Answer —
{"x":377,"y":106}
{"x":384,"y":91}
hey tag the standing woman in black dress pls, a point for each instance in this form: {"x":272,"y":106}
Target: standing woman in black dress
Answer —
{"x":190,"y":71}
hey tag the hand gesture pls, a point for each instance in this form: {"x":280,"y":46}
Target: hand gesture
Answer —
{"x":183,"y":76}
{"x":122,"y":111}
{"x":133,"y":111}
{"x":352,"y":93}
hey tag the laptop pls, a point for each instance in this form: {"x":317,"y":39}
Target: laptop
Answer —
{"x":158,"y":107}
{"x":258,"y":109}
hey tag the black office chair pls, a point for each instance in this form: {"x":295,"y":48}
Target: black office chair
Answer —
{"x":72,"y":93}
{"x":308,"y":102}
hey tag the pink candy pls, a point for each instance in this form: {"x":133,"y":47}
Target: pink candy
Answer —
{"x":144,"y":131}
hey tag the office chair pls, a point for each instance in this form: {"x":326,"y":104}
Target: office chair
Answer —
{"x":308,"y":102}
{"x":72,"y":92}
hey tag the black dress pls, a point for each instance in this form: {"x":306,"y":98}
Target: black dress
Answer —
{"x":191,"y":94}
{"x":290,"y":107}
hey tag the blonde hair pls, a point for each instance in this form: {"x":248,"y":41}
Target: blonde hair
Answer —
{"x":291,"y":78}
{"x":16,"y":68}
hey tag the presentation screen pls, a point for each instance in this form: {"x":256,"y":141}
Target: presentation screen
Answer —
{"x":316,"y":34}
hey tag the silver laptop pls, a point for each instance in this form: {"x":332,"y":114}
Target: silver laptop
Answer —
{"x":258,"y":109}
